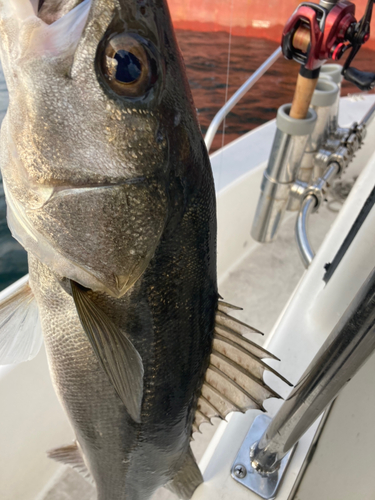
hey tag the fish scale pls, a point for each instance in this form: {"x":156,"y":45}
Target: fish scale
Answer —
{"x":178,"y":339}
{"x":97,"y":424}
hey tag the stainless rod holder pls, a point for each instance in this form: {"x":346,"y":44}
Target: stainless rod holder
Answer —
{"x":311,"y":196}
{"x":332,"y":72}
{"x":265,"y":485}
{"x":325,"y":104}
{"x":310,"y":204}
{"x":369,"y":116}
{"x":303,"y":241}
{"x":349,"y":345}
{"x":287,"y":150}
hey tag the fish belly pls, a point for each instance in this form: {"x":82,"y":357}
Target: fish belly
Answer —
{"x":119,"y":454}
{"x":169,"y":316}
{"x":128,"y":461}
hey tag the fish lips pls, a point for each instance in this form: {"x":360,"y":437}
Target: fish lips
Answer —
{"x":103,"y":237}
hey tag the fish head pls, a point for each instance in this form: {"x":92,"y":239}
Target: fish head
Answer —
{"x":100,"y":134}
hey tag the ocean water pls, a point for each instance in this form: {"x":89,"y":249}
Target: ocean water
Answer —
{"x":206,"y":59}
{"x":13,"y":263}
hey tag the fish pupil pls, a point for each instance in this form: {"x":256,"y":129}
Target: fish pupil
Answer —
{"x":128,"y":67}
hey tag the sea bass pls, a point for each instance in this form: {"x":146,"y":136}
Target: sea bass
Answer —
{"x":110,"y":190}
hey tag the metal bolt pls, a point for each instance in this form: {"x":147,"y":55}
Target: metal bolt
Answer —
{"x":240,"y":471}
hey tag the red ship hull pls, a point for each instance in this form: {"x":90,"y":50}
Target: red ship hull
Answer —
{"x":253,"y":18}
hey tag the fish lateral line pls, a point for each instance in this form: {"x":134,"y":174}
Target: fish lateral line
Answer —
{"x":125,"y":182}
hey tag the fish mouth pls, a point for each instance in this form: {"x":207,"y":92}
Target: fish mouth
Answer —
{"x":47,"y":10}
{"x":60,"y":27}
{"x":51,"y":11}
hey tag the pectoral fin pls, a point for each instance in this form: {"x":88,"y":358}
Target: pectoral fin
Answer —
{"x":117,"y":355}
{"x":20,"y":330}
{"x":234,"y":378}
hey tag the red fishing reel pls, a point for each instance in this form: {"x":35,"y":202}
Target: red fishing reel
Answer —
{"x":314,"y":34}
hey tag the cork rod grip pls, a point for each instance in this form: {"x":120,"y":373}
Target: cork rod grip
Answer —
{"x":302,"y":97}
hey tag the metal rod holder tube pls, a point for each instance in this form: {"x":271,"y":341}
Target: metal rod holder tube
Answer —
{"x":333,"y":73}
{"x":309,"y":205}
{"x":303,"y":241}
{"x":324,"y":103}
{"x":281,"y":172}
{"x":348,"y":346}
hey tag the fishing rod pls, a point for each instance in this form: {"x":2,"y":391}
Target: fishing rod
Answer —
{"x":315,"y":33}
{"x":308,"y":139}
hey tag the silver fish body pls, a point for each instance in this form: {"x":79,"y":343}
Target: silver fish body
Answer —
{"x":110,"y":190}
{"x":113,"y":192}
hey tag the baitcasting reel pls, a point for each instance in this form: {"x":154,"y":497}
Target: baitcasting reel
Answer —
{"x":315,"y":33}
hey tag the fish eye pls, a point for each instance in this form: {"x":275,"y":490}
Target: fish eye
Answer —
{"x":127,"y":65}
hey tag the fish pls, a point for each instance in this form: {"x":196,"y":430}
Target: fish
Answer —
{"x":109,"y":189}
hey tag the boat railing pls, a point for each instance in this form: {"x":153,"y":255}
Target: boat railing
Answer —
{"x":237,"y":96}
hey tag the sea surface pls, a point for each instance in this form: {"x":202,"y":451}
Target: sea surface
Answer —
{"x":206,"y":59}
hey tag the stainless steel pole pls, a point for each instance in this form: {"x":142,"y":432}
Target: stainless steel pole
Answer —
{"x":369,"y":116}
{"x":309,"y":205}
{"x":303,"y":242}
{"x":348,"y":346}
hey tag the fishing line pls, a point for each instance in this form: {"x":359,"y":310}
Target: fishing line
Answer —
{"x":228,"y":69}
{"x":227,"y":85}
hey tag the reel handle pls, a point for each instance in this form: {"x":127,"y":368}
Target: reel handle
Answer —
{"x":362,"y":79}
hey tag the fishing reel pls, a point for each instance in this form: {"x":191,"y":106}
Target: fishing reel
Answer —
{"x":315,"y":33}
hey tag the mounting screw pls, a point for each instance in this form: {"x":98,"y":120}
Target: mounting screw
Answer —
{"x":240,"y":471}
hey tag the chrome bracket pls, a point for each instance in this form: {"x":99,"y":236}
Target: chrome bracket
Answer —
{"x":264,"y":485}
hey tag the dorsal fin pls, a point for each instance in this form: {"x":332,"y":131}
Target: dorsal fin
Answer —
{"x":234,"y":378}
{"x":20,"y":330}
{"x":71,"y":455}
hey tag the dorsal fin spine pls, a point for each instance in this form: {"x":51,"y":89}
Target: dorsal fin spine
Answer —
{"x":211,"y":406}
{"x":241,"y":338}
{"x":222,"y":396}
{"x":248,"y":374}
{"x":255,"y":358}
{"x":234,"y":384}
{"x":225,"y":319}
{"x":242,"y":360}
